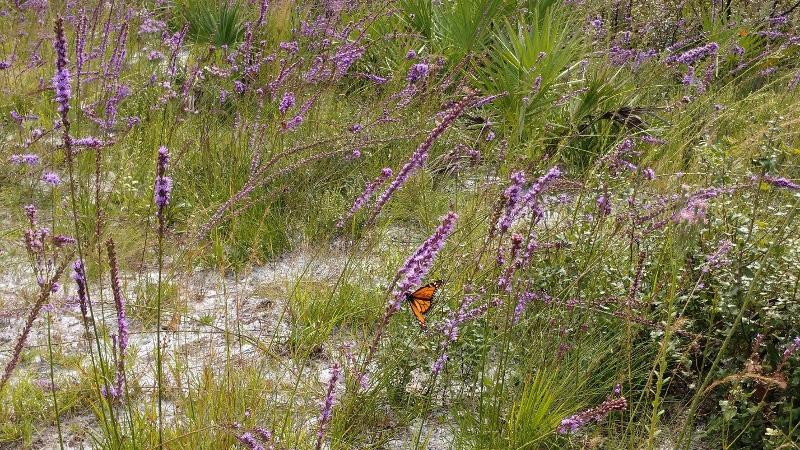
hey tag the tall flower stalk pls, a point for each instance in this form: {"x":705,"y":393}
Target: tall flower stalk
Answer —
{"x":162,"y":192}
{"x":362,"y":199}
{"x":61,"y":85}
{"x":53,"y":382}
{"x":420,"y":155}
{"x":410,"y":275}
{"x":122,"y":321}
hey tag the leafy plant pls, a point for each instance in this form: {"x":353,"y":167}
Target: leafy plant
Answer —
{"x":212,"y":22}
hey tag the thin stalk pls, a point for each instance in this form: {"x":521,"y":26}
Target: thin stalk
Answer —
{"x":53,"y":384}
{"x":662,"y":368}
{"x":69,"y":156}
{"x":159,"y":369}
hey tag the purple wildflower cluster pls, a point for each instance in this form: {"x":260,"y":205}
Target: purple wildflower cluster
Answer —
{"x":122,"y":323}
{"x":439,"y":364}
{"x":175,"y":42}
{"x":287,"y":102}
{"x":634,"y":58}
{"x":696,"y":206}
{"x":691,"y":59}
{"x":519,"y":257}
{"x":421,"y":261}
{"x":466,"y":313}
{"x":616,"y":159}
{"x":417,"y":73}
{"x":44,"y":251}
{"x":29,"y":159}
{"x":151,"y":25}
{"x":35,"y":236}
{"x":527,"y":298}
{"x":604,"y":204}
{"x":596,"y":414}
{"x":719,"y":257}
{"x":420,"y":155}
{"x":250,"y":441}
{"x":791,"y":349}
{"x":88,"y":142}
{"x":163,"y":184}
{"x":79,"y":276}
{"x":377,"y":79}
{"x":61,"y":80}
{"x":257,"y":438}
{"x":596,"y":23}
{"x":694,"y":55}
{"x":51,"y":178}
{"x":516,"y":202}
{"x":362,"y":199}
{"x":42,"y":246}
{"x":326,"y":411}
{"x":289,"y":47}
{"x":455,"y":320}
{"x":649,"y":139}
{"x":345,"y":57}
{"x":20,"y":118}
{"x":781,"y":182}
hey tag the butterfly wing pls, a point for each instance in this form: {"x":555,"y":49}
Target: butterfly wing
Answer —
{"x":421,"y":300}
{"x":416,"y":309}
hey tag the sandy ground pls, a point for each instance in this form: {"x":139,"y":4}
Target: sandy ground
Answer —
{"x":252,"y":307}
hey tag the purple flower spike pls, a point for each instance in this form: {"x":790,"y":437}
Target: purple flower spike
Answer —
{"x":51,"y":178}
{"x":250,"y":441}
{"x":62,"y":241}
{"x":294,"y":122}
{"x":419,"y":264}
{"x":29,"y":159}
{"x":438,"y":365}
{"x":781,"y":182}
{"x":418,"y":72}
{"x":420,"y":155}
{"x":596,"y":414}
{"x":516,"y":203}
{"x":79,"y":276}
{"x":163,"y":185}
{"x":791,"y":349}
{"x":289,"y":47}
{"x":345,"y":57}
{"x":377,"y":79}
{"x":690,"y":57}
{"x":88,"y":142}
{"x":287,"y":102}
{"x":327,"y":406}
{"x":718,"y":258}
{"x":604,"y":204}
{"x":61,"y":81}
{"x":362,"y":199}
{"x":122,"y":321}
{"x":525,"y":299}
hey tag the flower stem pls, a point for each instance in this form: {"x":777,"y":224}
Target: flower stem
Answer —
{"x":53,"y":384}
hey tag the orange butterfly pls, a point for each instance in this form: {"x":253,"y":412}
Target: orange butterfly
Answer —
{"x":421,"y":300}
